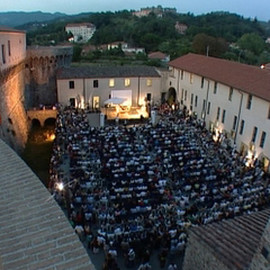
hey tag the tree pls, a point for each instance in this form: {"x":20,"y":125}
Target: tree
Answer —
{"x":208,"y":45}
{"x":76,"y":53}
{"x":251,"y":42}
{"x":150,"y":42}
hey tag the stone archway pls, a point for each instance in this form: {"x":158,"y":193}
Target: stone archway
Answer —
{"x":49,"y":122}
{"x":35,"y":123}
{"x":171,"y":96}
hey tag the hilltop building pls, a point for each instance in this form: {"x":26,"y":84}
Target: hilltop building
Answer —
{"x":180,"y":28}
{"x":158,"y":11}
{"x":81,"y":32}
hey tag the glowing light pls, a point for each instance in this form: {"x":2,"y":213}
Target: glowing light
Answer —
{"x":60,"y":186}
{"x":250,"y":158}
{"x":50,"y":137}
{"x":217,"y":133}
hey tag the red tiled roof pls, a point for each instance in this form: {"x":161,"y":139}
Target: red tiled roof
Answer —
{"x":250,"y":79}
{"x":157,"y":55}
{"x":235,"y":241}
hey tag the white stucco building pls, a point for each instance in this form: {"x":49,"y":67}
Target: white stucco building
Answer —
{"x":13,"y":47}
{"x":92,"y":86}
{"x":81,"y":32}
{"x":232,"y":98}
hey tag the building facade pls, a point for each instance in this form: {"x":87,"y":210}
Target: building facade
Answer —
{"x":92,"y":86}
{"x":13,"y":118}
{"x":232,"y":98}
{"x":81,"y":32}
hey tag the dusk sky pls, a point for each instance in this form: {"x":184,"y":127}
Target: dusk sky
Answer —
{"x":247,"y":8}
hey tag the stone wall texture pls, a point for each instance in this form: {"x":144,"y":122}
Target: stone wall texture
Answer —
{"x":14,"y":125}
{"x":198,"y":256}
{"x":41,"y":66}
{"x":261,"y":259}
{"x":35,"y":234}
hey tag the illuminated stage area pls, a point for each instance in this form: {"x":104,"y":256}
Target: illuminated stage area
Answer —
{"x":121,"y":112}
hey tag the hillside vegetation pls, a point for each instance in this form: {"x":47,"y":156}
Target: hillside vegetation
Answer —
{"x":16,"y":18}
{"x":218,"y":34}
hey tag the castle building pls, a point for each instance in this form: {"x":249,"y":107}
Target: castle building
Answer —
{"x":27,"y":80}
{"x":232,"y":98}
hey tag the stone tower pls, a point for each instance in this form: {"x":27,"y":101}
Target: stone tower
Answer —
{"x":40,"y":72}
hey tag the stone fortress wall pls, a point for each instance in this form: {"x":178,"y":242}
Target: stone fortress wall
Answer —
{"x":13,"y":119}
{"x":40,"y":72}
{"x":27,"y":80}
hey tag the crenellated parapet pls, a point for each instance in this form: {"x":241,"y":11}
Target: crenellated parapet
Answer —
{"x":55,"y":57}
{"x":40,"y":69}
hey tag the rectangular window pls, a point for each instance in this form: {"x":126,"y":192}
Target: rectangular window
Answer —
{"x":185,"y":95}
{"x":262,"y":139}
{"x":254,"y":134}
{"x":111,"y":83}
{"x":9,"y":48}
{"x":215,"y":87}
{"x":149,"y":82}
{"x":3,"y":54}
{"x":249,"y":102}
{"x":218,"y":113}
{"x":191,"y":99}
{"x":182,"y":93}
{"x":204,"y":105}
{"x":148,"y":96}
{"x":242,"y":125}
{"x":208,"y":107}
{"x":95,"y":83}
{"x":234,"y":122}
{"x":196,"y":101}
{"x":71,"y":85}
{"x":230,"y":94}
{"x":223,"y":116}
{"x":268,"y":113}
{"x":96,"y":102}
{"x":182,"y":74}
{"x":191,"y":78}
{"x":127,"y":82}
{"x":202,"y":82}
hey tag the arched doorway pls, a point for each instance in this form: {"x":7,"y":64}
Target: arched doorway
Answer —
{"x":36,"y":123}
{"x":171,"y":97}
{"x":49,"y":122}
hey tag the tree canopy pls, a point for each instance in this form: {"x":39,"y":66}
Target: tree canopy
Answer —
{"x":219,"y":34}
